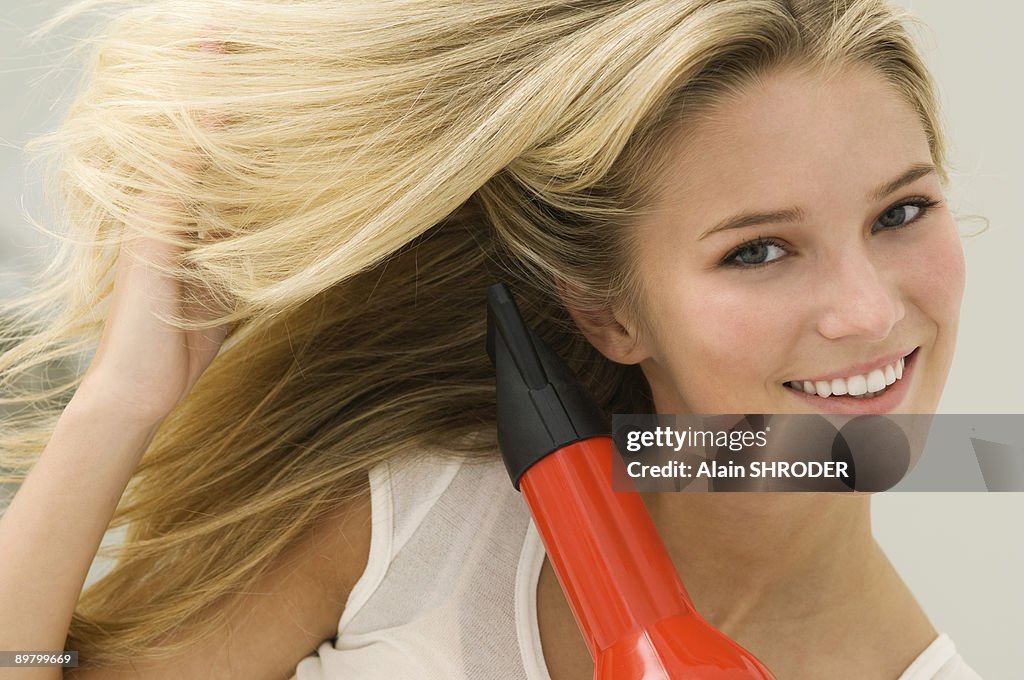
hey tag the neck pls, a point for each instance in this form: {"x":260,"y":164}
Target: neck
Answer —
{"x":772,"y":559}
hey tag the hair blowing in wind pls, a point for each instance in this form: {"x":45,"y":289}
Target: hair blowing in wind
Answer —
{"x":361,"y":172}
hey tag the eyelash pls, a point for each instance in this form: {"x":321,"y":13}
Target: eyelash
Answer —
{"x":923,"y":204}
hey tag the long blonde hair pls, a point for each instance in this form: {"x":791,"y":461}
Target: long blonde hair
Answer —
{"x":377,"y":166}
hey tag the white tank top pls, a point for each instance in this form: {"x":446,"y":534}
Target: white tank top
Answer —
{"x":450,"y":587}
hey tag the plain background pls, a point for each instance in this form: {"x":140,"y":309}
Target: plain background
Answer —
{"x":961,"y":553}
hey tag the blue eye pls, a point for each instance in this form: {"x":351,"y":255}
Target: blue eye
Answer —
{"x":757,"y":253}
{"x":898,"y":212}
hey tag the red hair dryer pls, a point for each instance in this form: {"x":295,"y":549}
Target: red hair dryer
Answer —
{"x":630,"y":605}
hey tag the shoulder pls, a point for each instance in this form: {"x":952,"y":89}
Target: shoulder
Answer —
{"x":337,"y":549}
{"x":283,"y":617}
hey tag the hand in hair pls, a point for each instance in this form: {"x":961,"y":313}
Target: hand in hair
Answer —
{"x":144,"y":365}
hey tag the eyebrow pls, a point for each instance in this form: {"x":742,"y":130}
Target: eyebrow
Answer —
{"x":795,"y":214}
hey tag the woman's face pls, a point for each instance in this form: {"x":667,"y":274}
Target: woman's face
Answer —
{"x":852,"y":274}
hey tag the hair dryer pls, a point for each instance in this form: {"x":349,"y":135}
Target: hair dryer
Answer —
{"x":630,"y":604}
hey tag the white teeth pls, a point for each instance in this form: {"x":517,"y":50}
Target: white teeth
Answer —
{"x":862,"y":386}
{"x":876,"y":380}
{"x":857,"y":384}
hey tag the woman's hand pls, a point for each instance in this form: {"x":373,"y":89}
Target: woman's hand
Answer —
{"x":143,"y":366}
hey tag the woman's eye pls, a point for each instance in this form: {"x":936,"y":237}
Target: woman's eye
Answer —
{"x":897,"y":216}
{"x":906,"y":212}
{"x":762,"y":251}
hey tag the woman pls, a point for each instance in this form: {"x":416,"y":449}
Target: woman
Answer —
{"x":343,"y":181}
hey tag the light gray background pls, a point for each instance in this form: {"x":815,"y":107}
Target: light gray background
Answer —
{"x":961,"y":553}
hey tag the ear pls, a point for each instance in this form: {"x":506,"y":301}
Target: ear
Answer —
{"x":607,"y":330}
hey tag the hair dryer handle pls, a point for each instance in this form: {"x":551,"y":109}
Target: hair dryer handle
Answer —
{"x":680,"y":647}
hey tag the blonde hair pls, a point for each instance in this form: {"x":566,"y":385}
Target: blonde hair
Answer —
{"x":376,"y":167}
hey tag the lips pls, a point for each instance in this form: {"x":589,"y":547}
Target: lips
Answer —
{"x":863,"y":368}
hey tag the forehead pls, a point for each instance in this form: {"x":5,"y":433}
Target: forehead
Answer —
{"x":794,"y":138}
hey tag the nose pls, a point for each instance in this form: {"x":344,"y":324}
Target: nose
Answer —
{"x":859,"y":301}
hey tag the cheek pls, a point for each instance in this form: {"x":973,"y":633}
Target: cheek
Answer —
{"x":934,"y":276}
{"x":728,"y":325}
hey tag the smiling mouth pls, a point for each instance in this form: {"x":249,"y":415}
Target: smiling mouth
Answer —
{"x":868,"y":386}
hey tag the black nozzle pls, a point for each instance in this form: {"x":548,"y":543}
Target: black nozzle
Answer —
{"x":541,"y":404}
